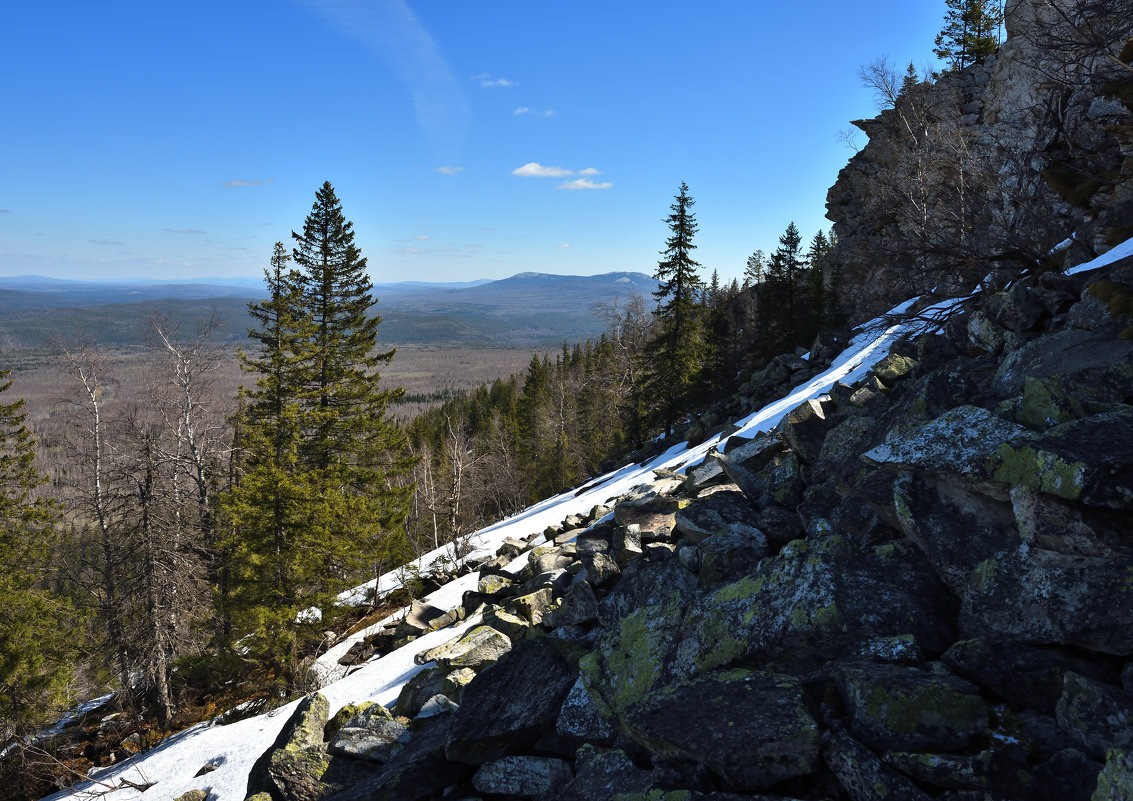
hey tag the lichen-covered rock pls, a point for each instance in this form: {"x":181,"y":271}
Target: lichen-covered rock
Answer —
{"x":193,"y":795}
{"x":863,"y":776}
{"x":1040,"y":596}
{"x":419,"y":689}
{"x":893,"y":368}
{"x":475,"y":649}
{"x":350,"y":713}
{"x":705,"y":516}
{"x":370,"y":738}
{"x":651,"y":512}
{"x":905,"y":708}
{"x":804,"y":428}
{"x":730,"y":553}
{"x":512,"y":702}
{"x":531,"y":607}
{"x":813,"y":602}
{"x":607,"y":775}
{"x":1095,"y":362}
{"x":297,"y":774}
{"x":303,"y":730}
{"x":754,"y":727}
{"x":418,"y":770}
{"x":645,"y":584}
{"x":1025,"y":676}
{"x":1115,"y":782}
{"x":963,"y":441}
{"x":1096,"y":716}
{"x":580,"y":717}
{"x":523,"y":776}
{"x":1090,"y":460}
{"x":954,"y":526}
{"x":578,"y":606}
{"x":984,"y":334}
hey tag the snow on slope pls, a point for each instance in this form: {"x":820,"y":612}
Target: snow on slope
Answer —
{"x":233,"y":748}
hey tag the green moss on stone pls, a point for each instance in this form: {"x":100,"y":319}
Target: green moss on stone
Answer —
{"x":1025,"y":466}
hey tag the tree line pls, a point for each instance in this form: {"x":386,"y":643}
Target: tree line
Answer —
{"x":566,"y":418}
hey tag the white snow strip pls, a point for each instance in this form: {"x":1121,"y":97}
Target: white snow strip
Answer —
{"x":1109,"y":257}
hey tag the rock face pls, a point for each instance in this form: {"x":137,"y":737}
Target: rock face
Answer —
{"x":1039,"y":140}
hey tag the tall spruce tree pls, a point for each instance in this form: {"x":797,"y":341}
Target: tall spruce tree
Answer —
{"x":323,"y":495}
{"x":35,"y":646}
{"x":676,"y":354}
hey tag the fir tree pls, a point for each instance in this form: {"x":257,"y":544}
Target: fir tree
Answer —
{"x":35,"y":646}
{"x":677,"y":353}
{"x":783,"y":273}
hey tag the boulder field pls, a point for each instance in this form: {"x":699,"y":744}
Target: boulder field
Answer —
{"x":916,"y":587}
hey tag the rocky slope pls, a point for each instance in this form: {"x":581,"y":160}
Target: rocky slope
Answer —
{"x":919,"y":586}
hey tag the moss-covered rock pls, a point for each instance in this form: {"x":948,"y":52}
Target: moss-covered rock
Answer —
{"x":863,"y":776}
{"x":475,"y":649}
{"x":1096,"y":716}
{"x":904,"y":708}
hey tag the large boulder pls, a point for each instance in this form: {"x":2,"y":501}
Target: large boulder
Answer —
{"x":1040,"y":596}
{"x":523,"y":776}
{"x":749,"y":728}
{"x":514,"y":701}
{"x":905,"y":708}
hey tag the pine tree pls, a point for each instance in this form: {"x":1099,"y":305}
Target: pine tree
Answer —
{"x":756,"y":269}
{"x":971,"y":32}
{"x":35,"y":646}
{"x":323,"y":496}
{"x":677,"y":353}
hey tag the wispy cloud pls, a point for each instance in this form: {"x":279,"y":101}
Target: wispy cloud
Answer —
{"x":590,"y":171}
{"x":3,"y":211}
{"x":105,"y":242}
{"x":584,"y":183}
{"x":446,"y":170}
{"x":563,"y":246}
{"x":534,"y":169}
{"x":392,"y":31}
{"x":258,"y":182}
{"x":183,"y":230}
{"x":525,"y":110}
{"x":488,"y":82}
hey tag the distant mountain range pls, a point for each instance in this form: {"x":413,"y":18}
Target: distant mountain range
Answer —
{"x":526,"y":310}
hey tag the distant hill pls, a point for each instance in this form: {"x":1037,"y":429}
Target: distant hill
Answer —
{"x":526,"y":310}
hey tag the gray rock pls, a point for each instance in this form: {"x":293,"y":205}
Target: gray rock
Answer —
{"x":730,"y":553}
{"x":523,"y":776}
{"x":373,"y":742}
{"x":863,"y":776}
{"x":515,"y":700}
{"x":475,"y":649}
{"x":1044,"y":597}
{"x":705,"y":516}
{"x":581,"y":718}
{"x":749,"y":728}
{"x":1096,"y":716}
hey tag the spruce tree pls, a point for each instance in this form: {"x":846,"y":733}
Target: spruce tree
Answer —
{"x":677,"y":353}
{"x":35,"y":646}
{"x":323,"y":497}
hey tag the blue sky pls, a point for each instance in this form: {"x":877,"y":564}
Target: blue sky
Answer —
{"x":465,"y":140}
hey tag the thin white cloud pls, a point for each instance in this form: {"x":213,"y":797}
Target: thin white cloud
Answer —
{"x":422,"y":237}
{"x":447,"y":170}
{"x":563,"y":246}
{"x":105,"y":242}
{"x":488,"y":82}
{"x":584,"y":183}
{"x":534,"y":169}
{"x":257,"y":182}
{"x":392,"y":31}
{"x":590,"y":171}
{"x":183,"y":230}
{"x":525,"y":110}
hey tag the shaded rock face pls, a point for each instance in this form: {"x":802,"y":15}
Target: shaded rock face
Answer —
{"x":926,"y":596}
{"x":1041,"y":135}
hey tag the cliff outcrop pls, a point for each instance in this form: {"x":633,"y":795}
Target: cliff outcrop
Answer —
{"x":988,"y":169}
